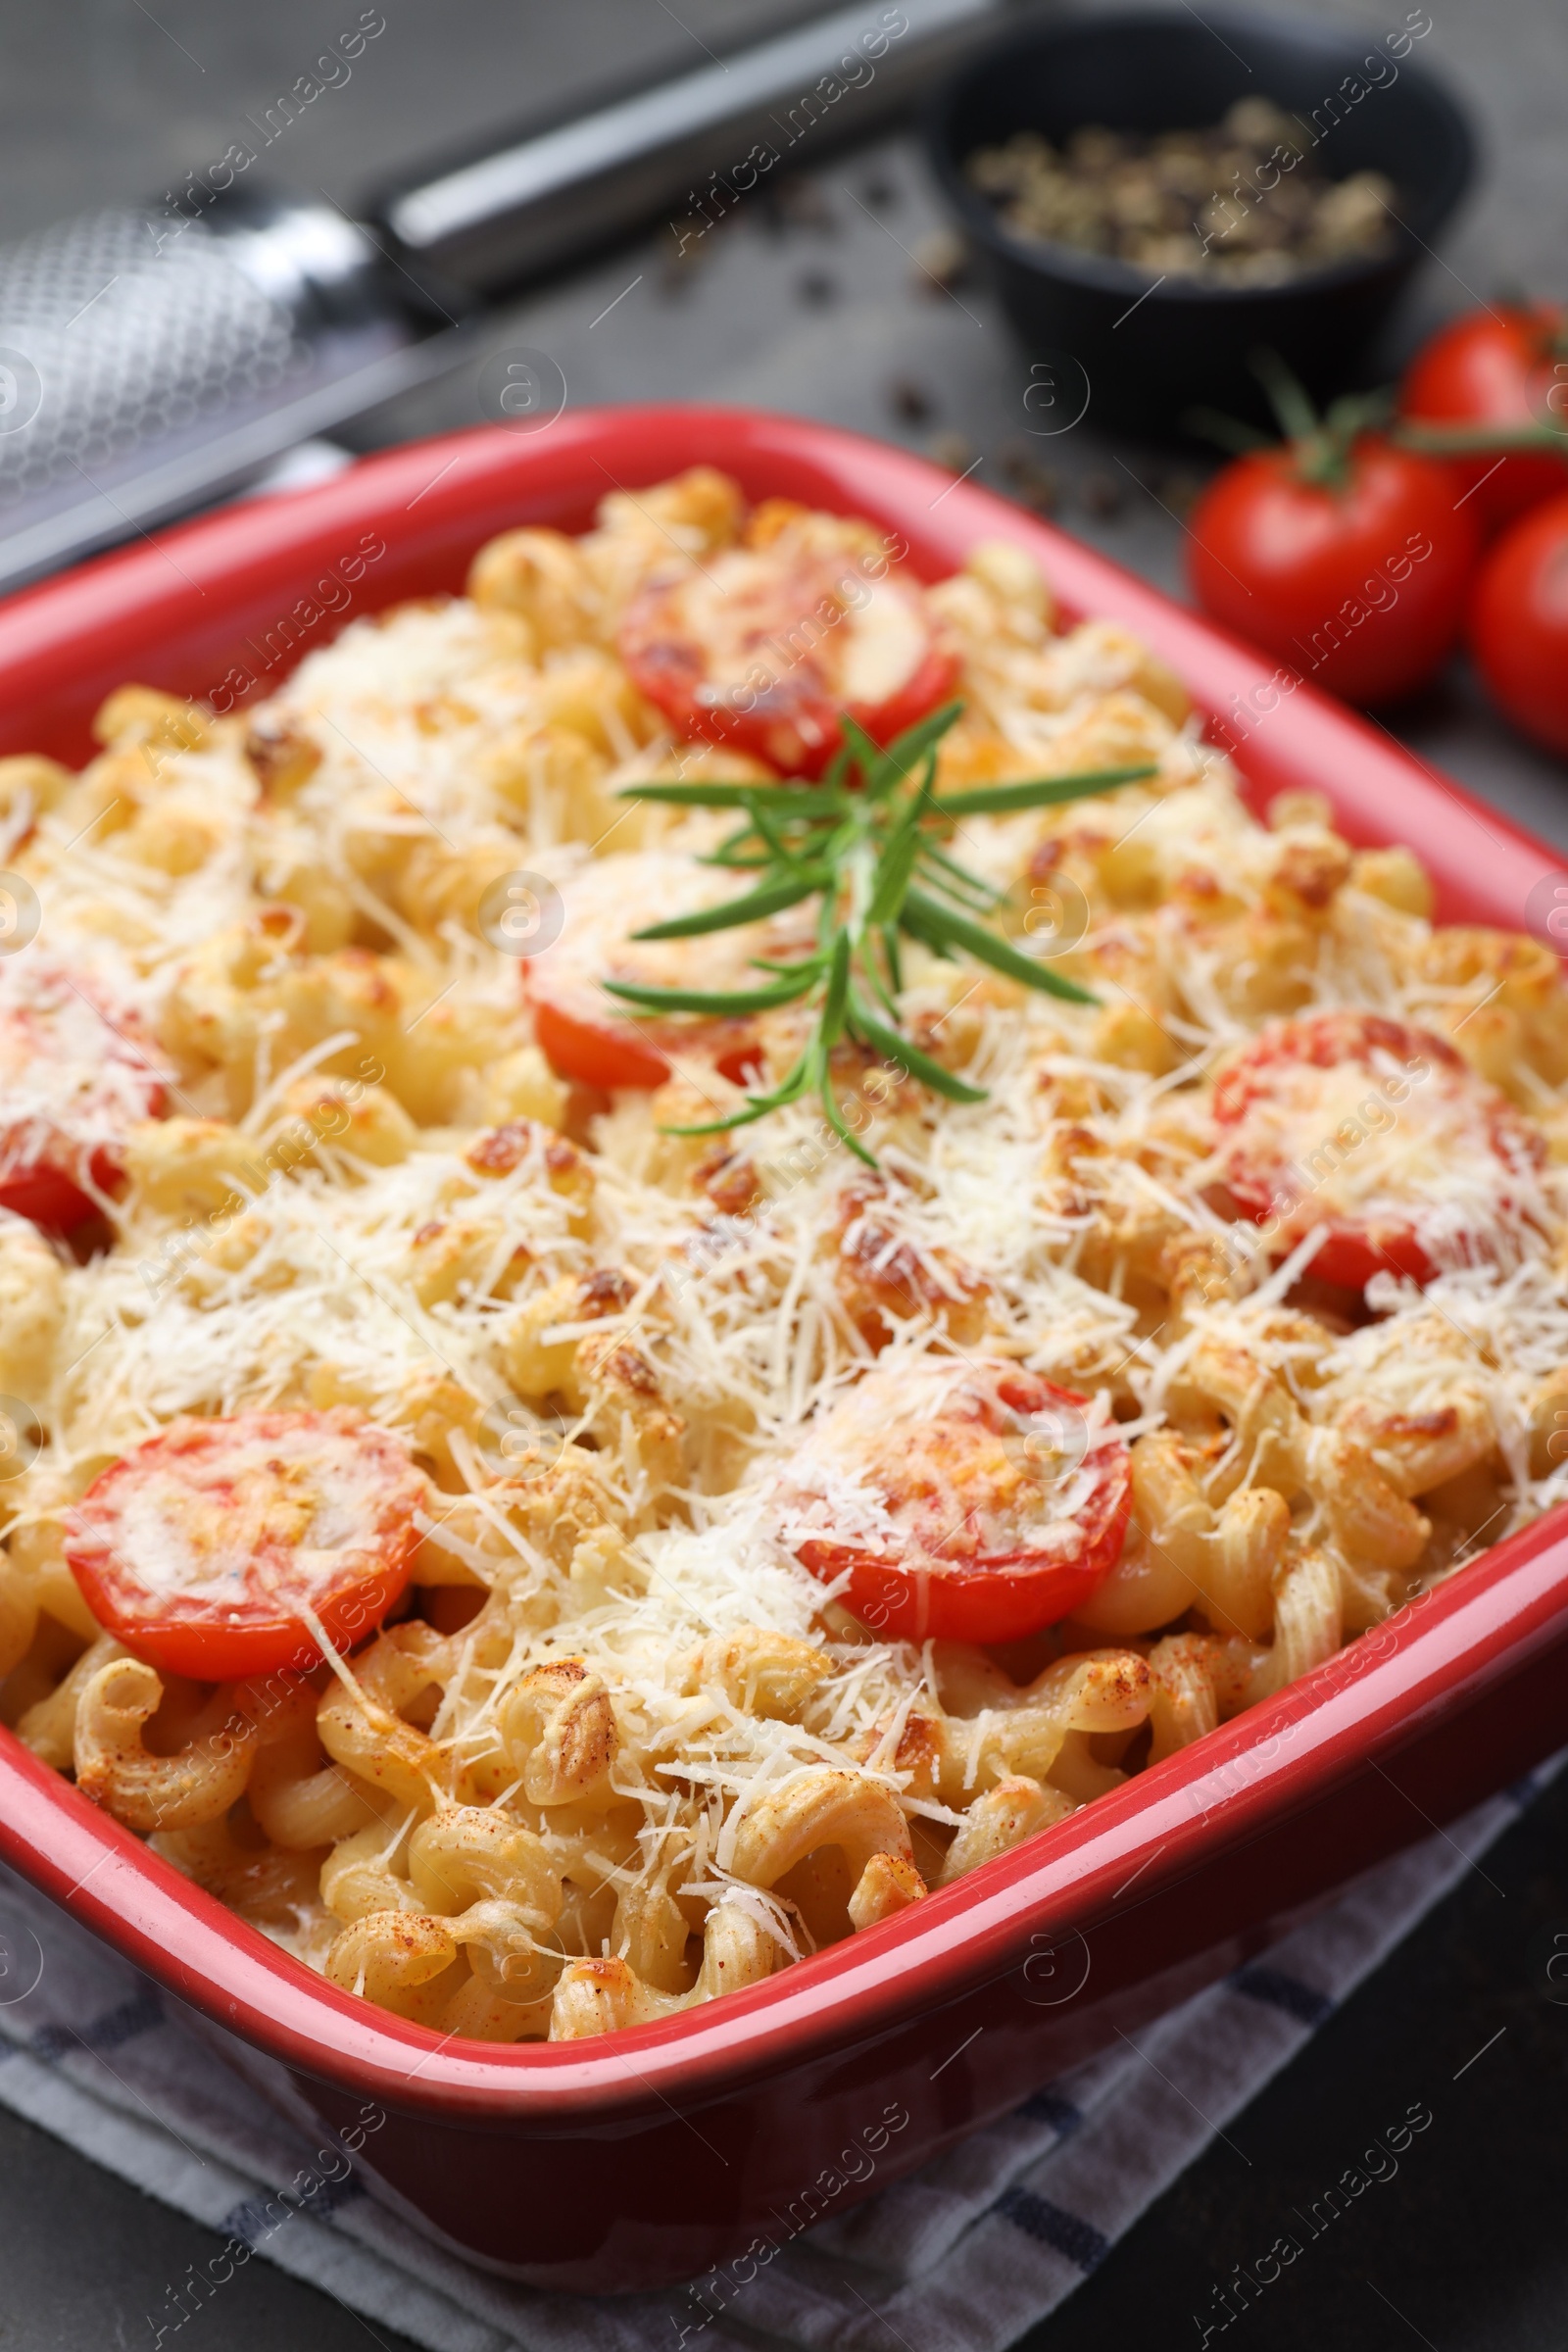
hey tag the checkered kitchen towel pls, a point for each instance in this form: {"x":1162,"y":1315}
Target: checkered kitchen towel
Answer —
{"x":965,"y":2255}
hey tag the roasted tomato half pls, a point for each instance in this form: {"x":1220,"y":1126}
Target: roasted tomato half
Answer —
{"x":767,"y":646}
{"x":1382,"y":1135}
{"x":76,"y":1071}
{"x":584,"y":1033}
{"x":210,"y":1549}
{"x":965,"y":1502}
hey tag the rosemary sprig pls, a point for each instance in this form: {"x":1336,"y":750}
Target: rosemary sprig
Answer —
{"x":868,"y":842}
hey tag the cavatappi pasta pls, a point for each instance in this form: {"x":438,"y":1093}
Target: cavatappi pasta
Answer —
{"x":1281,"y":1209}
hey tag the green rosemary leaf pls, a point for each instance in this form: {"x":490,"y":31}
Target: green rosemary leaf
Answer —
{"x":900,"y":854}
{"x":806,"y":800}
{"x":792,"y":1087}
{"x":738,"y":850}
{"x":876,"y":775}
{"x":786,"y":851}
{"x":896,"y":1047}
{"x":772,"y":899}
{"x":822,"y":1080}
{"x":836,"y":1120}
{"x":723,"y":1001}
{"x":879,"y":986}
{"x":770,"y":963}
{"x":835,"y":776}
{"x":906,"y":749}
{"x":894,"y":874}
{"x":934,"y":923}
{"x":1041,"y":792}
{"x":690,"y":796}
{"x":758,"y":1107}
{"x":830,"y":1026}
{"x":957,"y":879}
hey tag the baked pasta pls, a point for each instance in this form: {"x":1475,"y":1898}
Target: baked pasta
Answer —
{"x":552,"y":1525}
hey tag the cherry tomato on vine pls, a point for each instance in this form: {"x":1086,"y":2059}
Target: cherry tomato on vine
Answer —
{"x":965,"y":1502}
{"x":1495,"y":370}
{"x":1519,"y":623}
{"x":209,"y":1549}
{"x":1379,"y":1133}
{"x":1343,"y":555}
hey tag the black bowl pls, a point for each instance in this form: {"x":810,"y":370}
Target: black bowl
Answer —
{"x":1150,"y":355}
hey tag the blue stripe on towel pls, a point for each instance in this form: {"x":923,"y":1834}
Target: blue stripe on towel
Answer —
{"x":1047,"y":2106}
{"x":1068,"y":2232}
{"x":1279,"y":1992}
{"x":115,"y":2027}
{"x":256,"y":2220}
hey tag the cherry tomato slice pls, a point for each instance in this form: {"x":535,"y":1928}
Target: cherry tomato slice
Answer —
{"x":1379,"y":1132}
{"x":766,"y":647}
{"x":963,"y":1502}
{"x":1519,"y":623}
{"x":588,"y":1034}
{"x":1497,"y":367}
{"x":201,"y":1548}
{"x":605,"y":1052}
{"x":76,"y":1071}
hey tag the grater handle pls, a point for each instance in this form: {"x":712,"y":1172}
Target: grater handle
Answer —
{"x":693,"y":144}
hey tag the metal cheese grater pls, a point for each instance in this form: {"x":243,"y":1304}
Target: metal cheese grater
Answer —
{"x":135,"y":379}
{"x":150,"y":361}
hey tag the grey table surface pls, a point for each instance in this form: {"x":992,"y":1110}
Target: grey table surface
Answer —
{"x":813,"y":301}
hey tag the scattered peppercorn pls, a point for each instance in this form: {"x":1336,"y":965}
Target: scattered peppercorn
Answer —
{"x":909,"y":400}
{"x":950,"y":451}
{"x":941,"y":261}
{"x":1033,"y":485}
{"x":801,"y":203}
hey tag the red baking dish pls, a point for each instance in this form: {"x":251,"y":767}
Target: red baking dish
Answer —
{"x":646,"y":2158}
